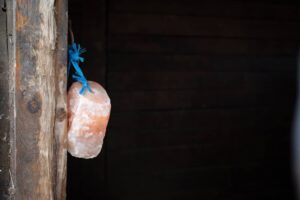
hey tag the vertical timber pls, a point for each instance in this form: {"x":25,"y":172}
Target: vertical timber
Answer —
{"x":60,"y":126}
{"x":7,"y":109}
{"x":33,"y":58}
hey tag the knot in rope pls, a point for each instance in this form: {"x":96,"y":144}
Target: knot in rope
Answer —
{"x":74,"y":59}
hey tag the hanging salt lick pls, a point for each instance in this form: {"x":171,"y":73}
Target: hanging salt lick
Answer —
{"x":88,"y":116}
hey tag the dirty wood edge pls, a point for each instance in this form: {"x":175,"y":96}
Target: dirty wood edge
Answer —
{"x":60,"y":126}
{"x":7,"y":109}
{"x":11,"y":43}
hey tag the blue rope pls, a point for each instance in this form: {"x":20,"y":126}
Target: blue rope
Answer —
{"x":74,"y":59}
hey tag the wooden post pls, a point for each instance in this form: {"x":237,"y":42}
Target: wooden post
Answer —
{"x":7,"y":109}
{"x":33,"y":58}
{"x":60,"y":126}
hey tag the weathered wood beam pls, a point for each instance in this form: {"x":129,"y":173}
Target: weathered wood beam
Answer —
{"x":60,"y":126}
{"x":35,"y":98}
{"x":6,"y":104}
{"x":33,"y":58}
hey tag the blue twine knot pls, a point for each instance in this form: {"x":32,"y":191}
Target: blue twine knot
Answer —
{"x":74,"y":55}
{"x":83,"y":81}
{"x":74,"y":58}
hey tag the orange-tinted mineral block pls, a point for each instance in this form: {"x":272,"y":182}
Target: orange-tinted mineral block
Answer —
{"x":88,"y":116}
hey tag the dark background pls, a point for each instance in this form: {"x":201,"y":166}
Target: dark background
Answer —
{"x":202,"y":94}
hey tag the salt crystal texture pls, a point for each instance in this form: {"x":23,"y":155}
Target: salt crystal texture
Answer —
{"x":88,"y":115}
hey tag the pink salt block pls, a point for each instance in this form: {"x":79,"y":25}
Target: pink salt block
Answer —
{"x":88,"y":115}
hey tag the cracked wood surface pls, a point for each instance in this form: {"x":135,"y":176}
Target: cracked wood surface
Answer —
{"x":33,"y":50}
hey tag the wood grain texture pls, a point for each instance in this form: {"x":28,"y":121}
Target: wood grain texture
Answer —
{"x":30,"y":165}
{"x":35,"y":98}
{"x":5,"y":108}
{"x":60,"y":124}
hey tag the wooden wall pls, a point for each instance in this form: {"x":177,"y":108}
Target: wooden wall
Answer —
{"x":202,"y":96}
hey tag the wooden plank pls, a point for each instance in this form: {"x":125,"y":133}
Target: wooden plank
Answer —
{"x":252,"y":193}
{"x":203,"y":81}
{"x":135,"y":140}
{"x":195,"y":45}
{"x":210,"y":183}
{"x":171,"y":163}
{"x":230,"y":125}
{"x":194,"y":119}
{"x":230,"y":9}
{"x":132,"y":81}
{"x":60,"y":124}
{"x":187,"y":157}
{"x":169,"y":181}
{"x":156,"y":139}
{"x":164,"y":100}
{"x":198,"y":99}
{"x":262,"y":172}
{"x":261,"y":177}
{"x":35,"y":99}
{"x":6,"y":109}
{"x":280,"y":2}
{"x":162,"y":119}
{"x":141,"y":62}
{"x":171,"y":25}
